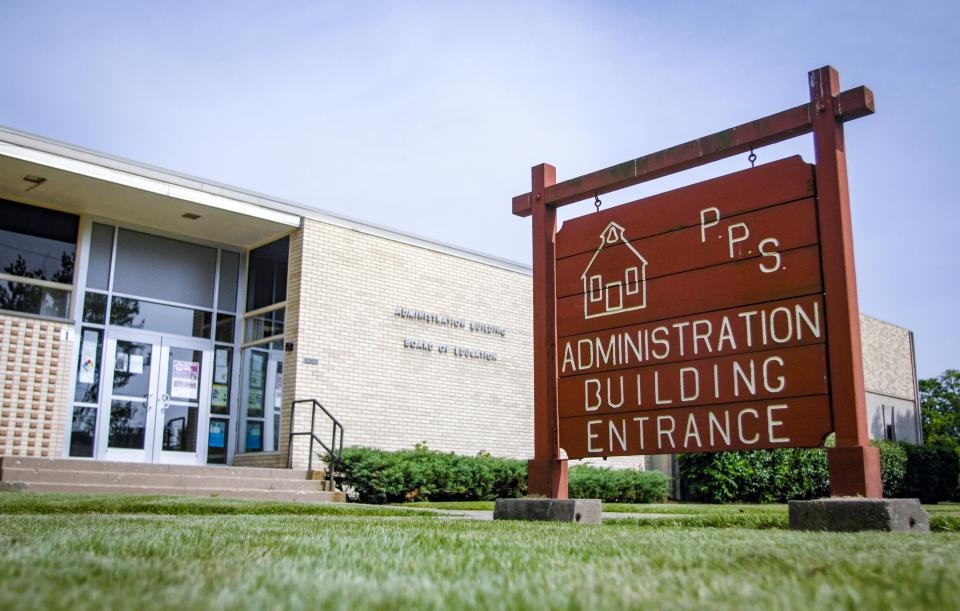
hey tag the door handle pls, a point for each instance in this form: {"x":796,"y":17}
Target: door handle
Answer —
{"x":165,"y":398}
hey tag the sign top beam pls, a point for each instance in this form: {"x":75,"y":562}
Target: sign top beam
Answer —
{"x":797,"y":121}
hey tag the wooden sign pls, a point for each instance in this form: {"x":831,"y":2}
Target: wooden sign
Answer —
{"x":720,"y":316}
{"x":692,"y":321}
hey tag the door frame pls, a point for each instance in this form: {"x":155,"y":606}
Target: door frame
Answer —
{"x":152,"y":452}
{"x":199,"y":457}
{"x":103,"y":450}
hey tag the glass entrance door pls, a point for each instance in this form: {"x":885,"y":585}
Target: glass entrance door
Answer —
{"x":184,"y":403}
{"x":158,"y":405}
{"x":131,"y":380}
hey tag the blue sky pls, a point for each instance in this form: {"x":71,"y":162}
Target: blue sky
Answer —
{"x":426,"y":117}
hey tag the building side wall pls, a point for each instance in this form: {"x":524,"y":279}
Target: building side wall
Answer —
{"x":883,"y":410}
{"x":345,"y":287}
{"x":887,"y":359}
{"x":35,"y":362}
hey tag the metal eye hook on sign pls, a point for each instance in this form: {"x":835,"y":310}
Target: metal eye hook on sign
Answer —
{"x":752,"y":158}
{"x":596,"y":202}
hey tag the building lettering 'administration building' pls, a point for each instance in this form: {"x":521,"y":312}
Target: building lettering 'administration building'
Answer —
{"x":153,"y":317}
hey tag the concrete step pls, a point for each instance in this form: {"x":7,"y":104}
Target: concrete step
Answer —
{"x":315,"y":496}
{"x":80,"y":464}
{"x":63,"y":476}
{"x":92,"y":476}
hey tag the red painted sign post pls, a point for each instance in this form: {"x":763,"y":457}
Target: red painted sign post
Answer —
{"x":720,"y":316}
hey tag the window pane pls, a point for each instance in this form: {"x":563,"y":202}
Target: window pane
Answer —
{"x":95,"y":308}
{"x":254,"y":441}
{"x":159,"y":317}
{"x":33,"y":299}
{"x":161,"y":268}
{"x":131,"y":369}
{"x":182,"y":387}
{"x":217,"y":441}
{"x":276,"y":432}
{"x":83,"y":432}
{"x":180,"y":428}
{"x":128,"y":424}
{"x":277,"y":399}
{"x":222,"y":379}
{"x":225,"y":327}
{"x":229,"y":276}
{"x":260,"y":398}
{"x":265,"y":325}
{"x":255,"y":380}
{"x":267,"y":275}
{"x":87,"y":389}
{"x":37,"y":243}
{"x":101,"y":251}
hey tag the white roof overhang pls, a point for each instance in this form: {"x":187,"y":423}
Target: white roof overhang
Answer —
{"x":84,"y":187}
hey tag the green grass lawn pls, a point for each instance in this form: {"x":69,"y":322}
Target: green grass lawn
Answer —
{"x":233,"y":554}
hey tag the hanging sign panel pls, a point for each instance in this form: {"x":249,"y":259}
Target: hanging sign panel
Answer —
{"x":694,"y":320}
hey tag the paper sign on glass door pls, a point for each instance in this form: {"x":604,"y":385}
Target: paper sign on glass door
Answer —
{"x":88,"y":360}
{"x":136,"y":364}
{"x":185,"y":380}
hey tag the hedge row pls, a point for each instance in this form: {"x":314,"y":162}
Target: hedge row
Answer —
{"x":776,"y":476}
{"x":617,"y":485}
{"x":421,"y":474}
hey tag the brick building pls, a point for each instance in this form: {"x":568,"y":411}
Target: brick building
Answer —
{"x":147,"y":316}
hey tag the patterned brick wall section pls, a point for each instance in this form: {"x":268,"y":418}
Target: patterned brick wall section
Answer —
{"x":887,"y":360}
{"x":343,"y":290}
{"x":34,"y":374}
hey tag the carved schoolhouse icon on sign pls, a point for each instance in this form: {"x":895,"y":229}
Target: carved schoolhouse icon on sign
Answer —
{"x":623,"y":291}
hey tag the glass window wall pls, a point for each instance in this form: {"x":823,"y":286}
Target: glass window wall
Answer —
{"x":261,"y":379}
{"x":180,"y":299}
{"x":261,"y":397}
{"x":38,"y":248}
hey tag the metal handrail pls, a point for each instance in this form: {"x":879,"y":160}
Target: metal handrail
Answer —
{"x":333,"y":450}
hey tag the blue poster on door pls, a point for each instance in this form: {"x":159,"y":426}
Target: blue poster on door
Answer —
{"x":218,"y":430}
{"x":254,"y":442}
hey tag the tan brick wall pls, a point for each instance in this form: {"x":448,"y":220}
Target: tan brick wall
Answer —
{"x":344,"y":288}
{"x":34,"y":395}
{"x":270,"y":460}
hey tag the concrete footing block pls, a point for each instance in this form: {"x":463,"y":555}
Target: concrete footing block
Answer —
{"x":852,"y":514}
{"x":583,"y":511}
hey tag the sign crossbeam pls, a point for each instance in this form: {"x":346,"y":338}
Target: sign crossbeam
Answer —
{"x":851,"y":104}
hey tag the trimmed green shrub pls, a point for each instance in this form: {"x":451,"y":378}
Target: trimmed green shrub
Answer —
{"x":617,"y":485}
{"x":776,"y":476}
{"x":931,"y":473}
{"x":421,"y":474}
{"x":758,"y":476}
{"x":893,"y":468}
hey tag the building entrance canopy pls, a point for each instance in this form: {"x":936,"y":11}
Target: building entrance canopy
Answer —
{"x":46,"y":173}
